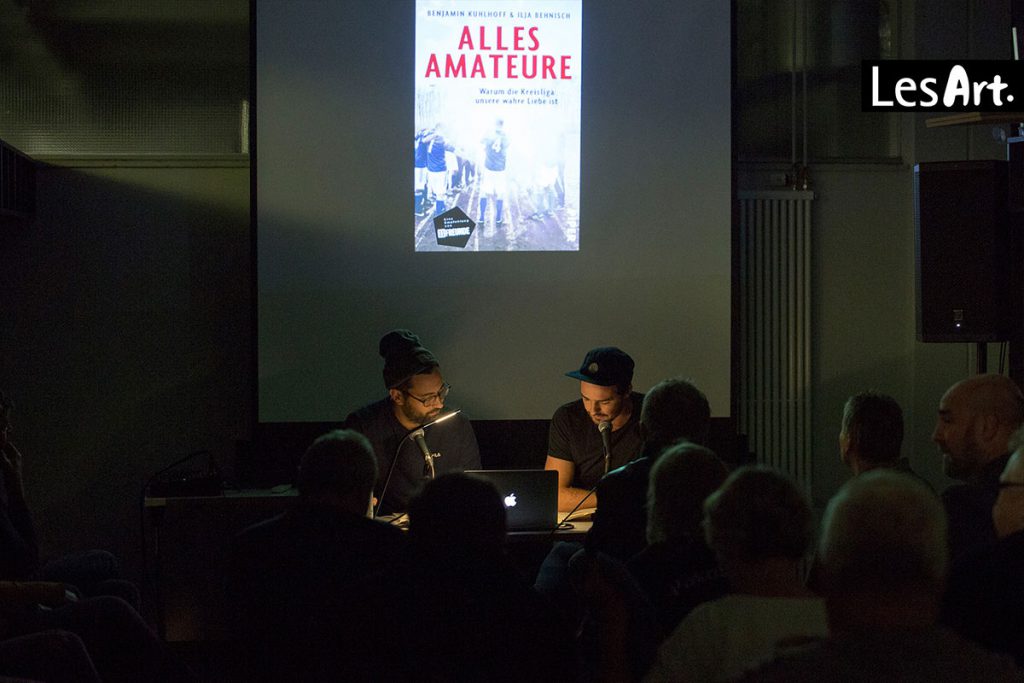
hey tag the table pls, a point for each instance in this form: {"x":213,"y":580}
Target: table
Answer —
{"x":188,"y":548}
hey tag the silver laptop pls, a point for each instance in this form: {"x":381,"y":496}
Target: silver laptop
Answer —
{"x":531,"y":496}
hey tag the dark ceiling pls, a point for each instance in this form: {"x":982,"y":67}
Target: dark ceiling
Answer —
{"x":122,"y":75}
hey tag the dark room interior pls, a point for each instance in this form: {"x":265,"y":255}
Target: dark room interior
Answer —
{"x":129,"y":319}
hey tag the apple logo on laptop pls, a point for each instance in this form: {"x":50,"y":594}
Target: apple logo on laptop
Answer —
{"x":510,"y":500}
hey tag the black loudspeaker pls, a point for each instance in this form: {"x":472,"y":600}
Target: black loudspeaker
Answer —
{"x":962,"y":252}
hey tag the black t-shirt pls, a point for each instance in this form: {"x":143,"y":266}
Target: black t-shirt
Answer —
{"x":453,"y":439}
{"x":574,"y":437}
{"x":969,"y":510}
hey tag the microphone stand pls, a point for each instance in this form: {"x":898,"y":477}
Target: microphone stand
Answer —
{"x":606,"y":427}
{"x":428,"y":460}
{"x":569,"y":514}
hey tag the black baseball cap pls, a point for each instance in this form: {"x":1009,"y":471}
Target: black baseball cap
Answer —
{"x":605,"y":366}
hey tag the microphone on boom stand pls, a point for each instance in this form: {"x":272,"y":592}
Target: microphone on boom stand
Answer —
{"x":606,"y":438}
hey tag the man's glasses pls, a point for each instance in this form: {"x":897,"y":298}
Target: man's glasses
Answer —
{"x":1010,"y":484}
{"x":438,"y":397}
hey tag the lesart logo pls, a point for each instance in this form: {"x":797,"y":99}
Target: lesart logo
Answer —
{"x":941,"y":85}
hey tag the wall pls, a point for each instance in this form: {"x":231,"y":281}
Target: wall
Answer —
{"x":863,"y":328}
{"x":125,"y":337}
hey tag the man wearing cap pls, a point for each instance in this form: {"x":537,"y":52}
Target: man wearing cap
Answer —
{"x":575,"y":447}
{"x":416,"y":396}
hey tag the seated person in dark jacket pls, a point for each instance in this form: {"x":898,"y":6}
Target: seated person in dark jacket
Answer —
{"x":977,"y":416}
{"x":632,"y":609}
{"x":19,"y":551}
{"x":51,"y":656}
{"x":87,"y":573}
{"x":985,"y":597}
{"x":461,"y":611}
{"x":871,"y":435}
{"x":673,"y":410}
{"x":677,"y":570}
{"x":122,"y":647}
{"x":416,"y":397}
{"x":294,"y":574}
{"x":883,"y":556}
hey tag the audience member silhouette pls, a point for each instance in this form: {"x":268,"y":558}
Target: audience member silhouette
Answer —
{"x":871,"y":434}
{"x":672,"y":410}
{"x":760,"y":526}
{"x":87,"y":573}
{"x":976,"y":418}
{"x":632,"y":609}
{"x":985,"y":600}
{"x":50,"y":656}
{"x":883,"y":559}
{"x":461,"y":611}
{"x":677,"y":570}
{"x":294,"y":577}
{"x":120,"y":644}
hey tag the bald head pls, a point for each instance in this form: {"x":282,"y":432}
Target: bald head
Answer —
{"x":977,"y":416}
{"x":995,"y":395}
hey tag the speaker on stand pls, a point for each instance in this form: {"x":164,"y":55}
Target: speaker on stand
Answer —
{"x":966,"y":271}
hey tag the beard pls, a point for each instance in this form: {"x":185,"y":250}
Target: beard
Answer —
{"x":419,"y":416}
{"x":962,"y":466}
{"x":955,"y":468}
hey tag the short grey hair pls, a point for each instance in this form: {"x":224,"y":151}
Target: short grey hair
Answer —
{"x":675,"y":409}
{"x":758,"y":514}
{"x":681,"y":480}
{"x":884,"y":531}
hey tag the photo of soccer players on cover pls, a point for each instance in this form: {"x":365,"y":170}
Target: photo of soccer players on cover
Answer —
{"x":497,"y":125}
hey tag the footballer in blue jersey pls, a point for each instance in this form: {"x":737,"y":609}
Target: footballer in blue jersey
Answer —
{"x":492,"y":176}
{"x":420,"y":190}
{"x":437,"y":170}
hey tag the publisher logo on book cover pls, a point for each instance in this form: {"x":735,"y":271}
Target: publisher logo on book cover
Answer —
{"x":454,"y":228}
{"x":942,"y":86}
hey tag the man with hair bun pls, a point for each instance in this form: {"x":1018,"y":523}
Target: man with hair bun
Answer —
{"x":416,"y":394}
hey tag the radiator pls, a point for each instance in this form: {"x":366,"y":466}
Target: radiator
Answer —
{"x":775,"y":328}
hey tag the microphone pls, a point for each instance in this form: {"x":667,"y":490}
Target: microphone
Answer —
{"x":606,"y":439}
{"x":418,"y":436}
{"x":428,"y":457}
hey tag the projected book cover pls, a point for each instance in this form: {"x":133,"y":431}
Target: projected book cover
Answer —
{"x":496,"y":145}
